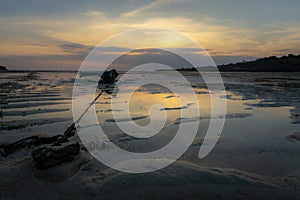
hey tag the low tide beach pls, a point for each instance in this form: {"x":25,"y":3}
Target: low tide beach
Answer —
{"x":256,"y":156}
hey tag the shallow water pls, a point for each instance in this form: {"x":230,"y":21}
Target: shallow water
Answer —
{"x":262,"y":111}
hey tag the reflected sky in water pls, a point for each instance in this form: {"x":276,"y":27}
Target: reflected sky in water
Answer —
{"x":262,"y":111}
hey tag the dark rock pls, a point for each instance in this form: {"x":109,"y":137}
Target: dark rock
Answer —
{"x":33,"y":141}
{"x":2,"y":68}
{"x":47,"y":156}
{"x":48,"y":152}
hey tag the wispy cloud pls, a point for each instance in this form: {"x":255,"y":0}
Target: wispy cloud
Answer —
{"x":149,"y":6}
{"x":223,"y":30}
{"x":76,"y":48}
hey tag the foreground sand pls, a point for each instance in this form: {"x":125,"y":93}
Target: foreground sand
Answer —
{"x":85,"y":177}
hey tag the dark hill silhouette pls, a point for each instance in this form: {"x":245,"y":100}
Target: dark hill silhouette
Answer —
{"x":290,"y":63}
{"x":2,"y":68}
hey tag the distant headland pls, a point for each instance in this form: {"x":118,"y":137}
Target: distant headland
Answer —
{"x":3,"y":69}
{"x":289,"y":63}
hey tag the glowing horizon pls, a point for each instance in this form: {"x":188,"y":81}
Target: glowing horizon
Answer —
{"x":62,"y":34}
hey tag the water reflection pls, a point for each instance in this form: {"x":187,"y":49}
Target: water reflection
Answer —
{"x":260,"y":129}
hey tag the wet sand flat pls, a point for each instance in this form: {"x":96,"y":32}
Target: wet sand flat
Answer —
{"x":257,"y":153}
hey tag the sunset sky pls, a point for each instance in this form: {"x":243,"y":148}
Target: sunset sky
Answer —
{"x":58,"y":34}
